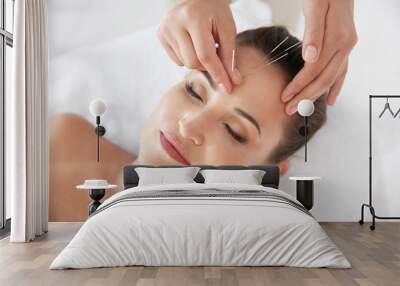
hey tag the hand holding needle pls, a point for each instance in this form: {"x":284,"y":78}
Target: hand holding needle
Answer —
{"x":189,"y":31}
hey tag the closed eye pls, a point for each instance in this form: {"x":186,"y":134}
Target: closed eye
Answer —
{"x":235,"y":135}
{"x":191,"y":92}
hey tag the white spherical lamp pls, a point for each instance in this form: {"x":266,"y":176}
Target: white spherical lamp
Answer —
{"x":305,"y":107}
{"x":97,"y":107}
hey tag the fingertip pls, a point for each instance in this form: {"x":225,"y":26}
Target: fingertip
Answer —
{"x":228,"y":87}
{"x":290,"y":109}
{"x":287,"y":95}
{"x":236,"y":76}
{"x":225,"y":87}
{"x":226,"y":82}
{"x":331,"y":101}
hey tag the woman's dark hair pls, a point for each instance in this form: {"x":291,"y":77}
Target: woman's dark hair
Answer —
{"x":265,"y":39}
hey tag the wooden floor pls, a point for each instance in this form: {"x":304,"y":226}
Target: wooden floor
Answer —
{"x":374,"y":255}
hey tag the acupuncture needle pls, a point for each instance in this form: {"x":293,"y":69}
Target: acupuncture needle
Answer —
{"x":285,"y":53}
{"x":233,"y":56}
{"x":278,"y":45}
{"x":273,"y":60}
{"x":280,"y":56}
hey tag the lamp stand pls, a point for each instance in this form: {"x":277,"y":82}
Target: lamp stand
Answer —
{"x":100,"y":131}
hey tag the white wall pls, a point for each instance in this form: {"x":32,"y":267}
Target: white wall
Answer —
{"x":339,"y":152}
{"x":77,"y":23}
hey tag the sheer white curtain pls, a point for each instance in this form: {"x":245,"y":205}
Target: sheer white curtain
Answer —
{"x":26,"y":123}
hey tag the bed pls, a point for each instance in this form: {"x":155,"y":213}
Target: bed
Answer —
{"x":201,"y":224}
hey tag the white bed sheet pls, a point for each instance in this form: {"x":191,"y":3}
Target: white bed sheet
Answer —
{"x":200,"y":231}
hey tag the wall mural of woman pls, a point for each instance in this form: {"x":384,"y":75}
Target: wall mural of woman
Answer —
{"x":195,"y":122}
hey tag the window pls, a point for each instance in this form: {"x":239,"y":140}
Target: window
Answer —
{"x":6,"y":44}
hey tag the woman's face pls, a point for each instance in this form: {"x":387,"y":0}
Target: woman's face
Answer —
{"x":196,"y":122}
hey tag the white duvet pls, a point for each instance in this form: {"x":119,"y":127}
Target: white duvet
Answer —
{"x":205,"y":230}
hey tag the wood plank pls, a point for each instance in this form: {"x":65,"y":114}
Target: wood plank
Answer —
{"x":375,"y":257}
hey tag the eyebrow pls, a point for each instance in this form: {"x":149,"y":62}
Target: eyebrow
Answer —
{"x":249,"y":118}
{"x":209,"y":79}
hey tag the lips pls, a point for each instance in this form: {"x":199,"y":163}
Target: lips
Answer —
{"x":172,"y":149}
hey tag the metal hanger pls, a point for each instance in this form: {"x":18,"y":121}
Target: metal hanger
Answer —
{"x":387,"y":107}
{"x":397,"y":113}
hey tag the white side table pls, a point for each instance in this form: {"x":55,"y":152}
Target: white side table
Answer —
{"x":305,"y":190}
{"x":97,"y":190}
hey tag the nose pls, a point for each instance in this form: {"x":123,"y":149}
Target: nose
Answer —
{"x":192,"y":126}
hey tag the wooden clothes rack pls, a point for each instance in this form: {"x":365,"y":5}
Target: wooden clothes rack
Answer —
{"x":369,"y":205}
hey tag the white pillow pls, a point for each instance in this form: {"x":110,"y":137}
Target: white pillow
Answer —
{"x":248,"y":177}
{"x":162,"y":176}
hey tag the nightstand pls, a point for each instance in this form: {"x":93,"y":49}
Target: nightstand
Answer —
{"x":305,"y":190}
{"x":97,"y":190}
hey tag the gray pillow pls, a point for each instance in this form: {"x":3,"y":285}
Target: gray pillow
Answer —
{"x":248,"y":177}
{"x":161,"y":176}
